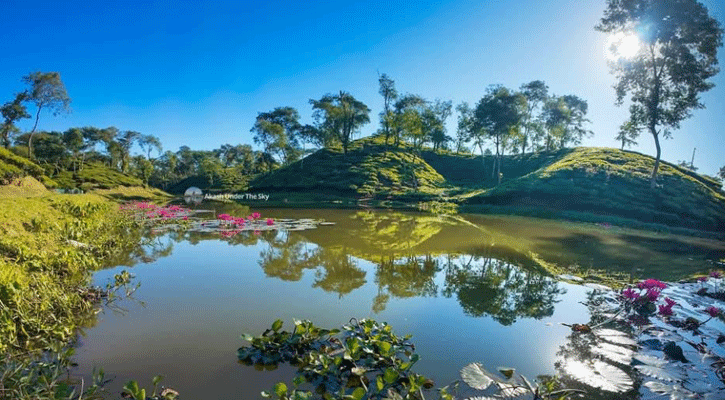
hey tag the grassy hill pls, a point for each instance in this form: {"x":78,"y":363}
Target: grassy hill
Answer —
{"x":602,"y":182}
{"x":368,"y":169}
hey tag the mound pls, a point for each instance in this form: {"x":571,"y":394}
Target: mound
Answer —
{"x":615,"y":182}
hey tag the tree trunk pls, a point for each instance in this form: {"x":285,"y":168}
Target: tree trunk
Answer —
{"x":30,"y":138}
{"x":653,"y":182}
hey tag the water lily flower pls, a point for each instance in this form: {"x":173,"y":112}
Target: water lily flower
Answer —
{"x":665,"y":310}
{"x":270,"y":221}
{"x":702,"y":279}
{"x":716,"y":274}
{"x":651,"y":283}
{"x":224,"y":217}
{"x":652,"y":294}
{"x":670,"y":302}
{"x":630,"y":294}
{"x":256,"y":215}
{"x":713,"y":311}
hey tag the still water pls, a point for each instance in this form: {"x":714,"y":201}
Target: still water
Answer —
{"x":469,"y":288}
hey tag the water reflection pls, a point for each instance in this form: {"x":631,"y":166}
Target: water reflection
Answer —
{"x":487,"y":286}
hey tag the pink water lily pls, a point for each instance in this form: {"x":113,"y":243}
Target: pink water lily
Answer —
{"x":713,"y":311}
{"x":665,"y":310}
{"x":629,"y":293}
{"x":716,"y":274}
{"x":270,"y":221}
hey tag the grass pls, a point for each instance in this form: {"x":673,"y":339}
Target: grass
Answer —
{"x":591,"y":184}
{"x":94,"y":176}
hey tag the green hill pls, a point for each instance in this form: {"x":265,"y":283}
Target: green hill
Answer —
{"x":606,"y":182}
{"x":13,"y":166}
{"x":368,"y":169}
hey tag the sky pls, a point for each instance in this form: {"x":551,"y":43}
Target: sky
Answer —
{"x":198,"y":73}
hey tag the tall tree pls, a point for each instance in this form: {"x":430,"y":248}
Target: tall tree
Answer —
{"x":536,"y":94}
{"x":46,"y":91}
{"x":434,"y":122}
{"x":387,"y":90}
{"x":464,"y":128}
{"x":340,"y":116}
{"x":126,"y":140}
{"x":278,"y":132}
{"x":677,"y":56}
{"x":73,"y":141}
{"x":12,"y":112}
{"x":498,"y":112}
{"x":148,"y":143}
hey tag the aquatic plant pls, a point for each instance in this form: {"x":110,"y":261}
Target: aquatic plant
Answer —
{"x":366,"y":360}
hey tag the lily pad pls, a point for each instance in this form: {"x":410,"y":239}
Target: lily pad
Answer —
{"x":476,"y":376}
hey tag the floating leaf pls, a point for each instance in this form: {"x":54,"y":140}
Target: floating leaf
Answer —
{"x":669,"y":375}
{"x":618,"y":354}
{"x":475,"y":376}
{"x":650,"y":360}
{"x":390,"y":375}
{"x":614,"y":336}
{"x":358,"y":393}
{"x":511,"y":391}
{"x":600,"y":375}
{"x":280,"y":389}
{"x":507,"y":372}
{"x":277,"y":325}
{"x":676,"y":392}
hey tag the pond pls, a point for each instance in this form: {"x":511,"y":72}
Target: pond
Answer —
{"x":469,"y":288}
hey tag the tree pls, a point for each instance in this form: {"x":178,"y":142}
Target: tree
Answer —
{"x":340,"y":116}
{"x":12,"y":112}
{"x":126,"y":140}
{"x":278,"y":132}
{"x":434,"y":122}
{"x":46,"y":91}
{"x":536,"y":94}
{"x":564,"y":119}
{"x":148,"y":143}
{"x":497,"y":114}
{"x":387,"y":90}
{"x":677,"y":56}
{"x":465,"y":123}
{"x":73,"y":141}
{"x":628,"y":132}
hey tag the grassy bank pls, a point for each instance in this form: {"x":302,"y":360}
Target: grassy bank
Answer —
{"x":585,"y":184}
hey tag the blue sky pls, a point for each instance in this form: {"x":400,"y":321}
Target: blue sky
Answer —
{"x":197,"y":73}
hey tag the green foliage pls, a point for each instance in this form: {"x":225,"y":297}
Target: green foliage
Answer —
{"x":95,"y":176}
{"x":365,"y":360}
{"x":677,"y":56}
{"x":13,"y":166}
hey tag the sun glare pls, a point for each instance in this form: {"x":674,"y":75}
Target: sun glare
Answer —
{"x":621,"y":45}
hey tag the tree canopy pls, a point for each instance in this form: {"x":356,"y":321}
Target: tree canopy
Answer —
{"x":677,"y":56}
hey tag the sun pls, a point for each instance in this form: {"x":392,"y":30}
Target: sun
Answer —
{"x":621,"y":46}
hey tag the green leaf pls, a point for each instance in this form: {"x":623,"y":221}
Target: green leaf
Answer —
{"x":385,"y":347}
{"x":156,"y":379}
{"x":507,"y":372}
{"x":358,"y":393}
{"x":280,"y":389}
{"x":276,"y":325}
{"x":390,"y":375}
{"x":379,"y":383}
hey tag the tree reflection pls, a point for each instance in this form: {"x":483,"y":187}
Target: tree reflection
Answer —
{"x":405,"y":277}
{"x":488,"y":286}
{"x":288,"y":255}
{"x":339,"y":272}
